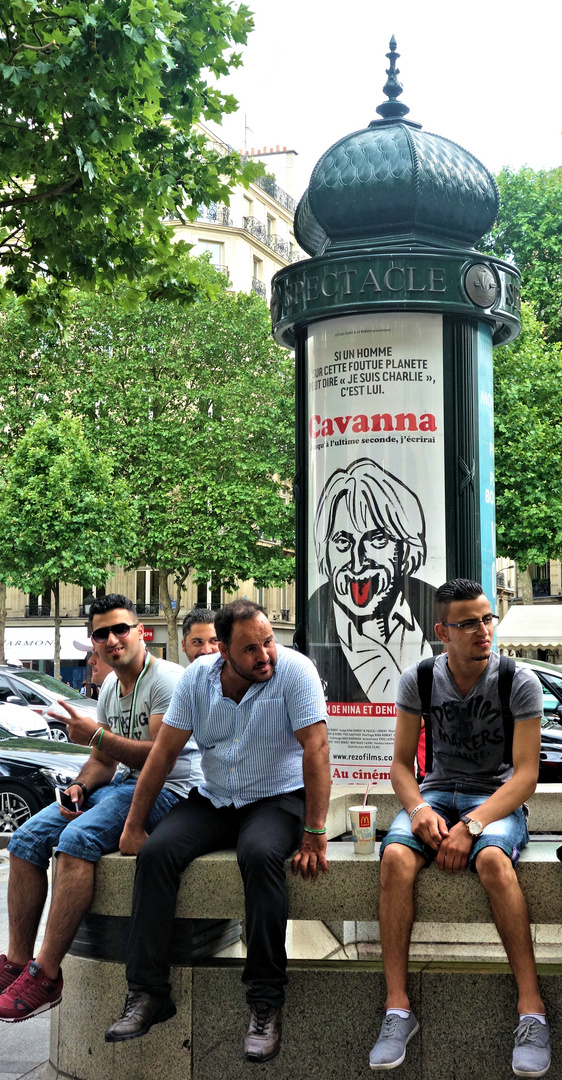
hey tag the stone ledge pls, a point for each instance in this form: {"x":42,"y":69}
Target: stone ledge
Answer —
{"x":211,"y":888}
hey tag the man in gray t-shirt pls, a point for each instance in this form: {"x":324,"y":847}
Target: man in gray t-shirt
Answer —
{"x":468,"y":812}
{"x":130,"y":710}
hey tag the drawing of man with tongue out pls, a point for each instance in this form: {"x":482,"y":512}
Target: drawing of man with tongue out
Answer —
{"x":369,"y":533}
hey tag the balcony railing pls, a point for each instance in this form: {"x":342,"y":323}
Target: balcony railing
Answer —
{"x":259,"y":288}
{"x":216,"y":213}
{"x":256,"y":228}
{"x":541,"y":586}
{"x":38,"y":611}
{"x":281,"y":246}
{"x":267,"y":183}
{"x":147,"y":609}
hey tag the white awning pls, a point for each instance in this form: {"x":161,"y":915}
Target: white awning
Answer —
{"x":534,"y":626}
{"x":38,"y":642}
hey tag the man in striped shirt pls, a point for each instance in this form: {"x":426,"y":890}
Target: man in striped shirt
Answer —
{"x":258,"y":715}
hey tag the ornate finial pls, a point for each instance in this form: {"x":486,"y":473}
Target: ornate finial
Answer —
{"x":392,"y":109}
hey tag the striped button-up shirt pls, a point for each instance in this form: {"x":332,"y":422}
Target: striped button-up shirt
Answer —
{"x":249,"y":750}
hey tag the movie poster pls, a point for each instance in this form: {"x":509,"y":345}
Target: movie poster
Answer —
{"x":376,"y":544}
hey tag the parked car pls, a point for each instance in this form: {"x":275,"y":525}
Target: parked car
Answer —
{"x":39,"y":692}
{"x":30,"y":772}
{"x":23,"y":722}
{"x":550,"y":675}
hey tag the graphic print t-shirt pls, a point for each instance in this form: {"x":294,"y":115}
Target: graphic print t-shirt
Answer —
{"x":468,"y":733}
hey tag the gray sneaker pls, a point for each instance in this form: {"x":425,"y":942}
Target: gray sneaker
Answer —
{"x":531,"y":1053}
{"x":390,"y":1047}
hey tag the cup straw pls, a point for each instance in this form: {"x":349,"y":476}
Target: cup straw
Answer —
{"x":366,"y":793}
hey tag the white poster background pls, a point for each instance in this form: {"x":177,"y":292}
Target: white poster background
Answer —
{"x":376,"y":440}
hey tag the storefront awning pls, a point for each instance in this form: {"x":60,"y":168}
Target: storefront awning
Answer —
{"x":534,"y":626}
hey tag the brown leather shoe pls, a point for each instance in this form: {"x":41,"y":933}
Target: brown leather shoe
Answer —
{"x":140,"y":1013}
{"x":263,"y":1040}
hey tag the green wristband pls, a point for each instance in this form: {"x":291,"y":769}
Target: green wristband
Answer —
{"x":316,"y":832}
{"x":101,"y":737}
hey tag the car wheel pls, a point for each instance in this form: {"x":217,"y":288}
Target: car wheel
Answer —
{"x":17,"y":805}
{"x":59,"y":732}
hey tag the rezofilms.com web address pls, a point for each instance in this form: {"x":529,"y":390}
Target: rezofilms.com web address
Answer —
{"x":349,"y":759}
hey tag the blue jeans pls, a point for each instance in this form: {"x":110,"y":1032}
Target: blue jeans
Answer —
{"x":509,"y":833}
{"x":95,"y":833}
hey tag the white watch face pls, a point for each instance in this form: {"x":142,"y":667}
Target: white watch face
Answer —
{"x":474,"y":827}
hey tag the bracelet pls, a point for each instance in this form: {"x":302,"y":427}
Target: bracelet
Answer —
{"x":316,"y":832}
{"x":78,"y":783}
{"x":102,"y":730}
{"x":94,"y":736}
{"x":416,"y":808}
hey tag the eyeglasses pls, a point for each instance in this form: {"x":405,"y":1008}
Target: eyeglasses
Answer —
{"x":120,"y":630}
{"x":470,"y":626}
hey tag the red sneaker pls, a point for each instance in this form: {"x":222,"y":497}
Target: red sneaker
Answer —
{"x":8,"y":973}
{"x":31,"y":993}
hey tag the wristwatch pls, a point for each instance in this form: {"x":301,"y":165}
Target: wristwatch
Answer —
{"x":474,"y":827}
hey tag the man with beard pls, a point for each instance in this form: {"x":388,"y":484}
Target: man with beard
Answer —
{"x":369,"y":534}
{"x":258,"y":715}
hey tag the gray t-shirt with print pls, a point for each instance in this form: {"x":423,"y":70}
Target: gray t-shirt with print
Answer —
{"x":154,"y":691}
{"x":467,"y":733}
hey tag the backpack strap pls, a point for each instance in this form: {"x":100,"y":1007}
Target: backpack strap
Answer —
{"x":425,"y":686}
{"x":505,"y":682}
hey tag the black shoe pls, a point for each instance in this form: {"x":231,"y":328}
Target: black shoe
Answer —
{"x":140,"y":1013}
{"x":263,"y":1040}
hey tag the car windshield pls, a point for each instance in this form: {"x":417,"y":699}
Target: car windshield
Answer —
{"x":56,"y":685}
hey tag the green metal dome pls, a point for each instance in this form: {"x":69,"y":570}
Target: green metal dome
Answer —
{"x":392,"y":182}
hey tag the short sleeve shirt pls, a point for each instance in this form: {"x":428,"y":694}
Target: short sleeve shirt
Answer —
{"x":467,"y":733}
{"x":249,"y":750}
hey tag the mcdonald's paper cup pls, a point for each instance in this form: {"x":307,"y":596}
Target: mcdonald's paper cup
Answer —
{"x":363,"y":828}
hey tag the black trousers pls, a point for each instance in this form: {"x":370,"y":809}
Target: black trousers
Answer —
{"x":265,"y":834}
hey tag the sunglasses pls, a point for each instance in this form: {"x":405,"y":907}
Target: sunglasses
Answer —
{"x":120,"y":630}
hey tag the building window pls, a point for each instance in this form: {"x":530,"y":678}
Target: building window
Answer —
{"x":209,"y":595}
{"x":215,"y":251}
{"x":147,"y":592}
{"x":88,"y":597}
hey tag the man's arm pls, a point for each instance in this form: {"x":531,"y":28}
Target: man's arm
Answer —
{"x":317,"y":785}
{"x":165,"y":750}
{"x":426,"y":825}
{"x":113,"y":748}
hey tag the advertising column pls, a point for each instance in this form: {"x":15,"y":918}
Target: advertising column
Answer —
{"x":376,"y":512}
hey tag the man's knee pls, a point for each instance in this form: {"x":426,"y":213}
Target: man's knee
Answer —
{"x":399,"y":866}
{"x":494,"y":868}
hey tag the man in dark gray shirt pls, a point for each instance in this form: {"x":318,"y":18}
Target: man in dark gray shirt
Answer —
{"x":468,"y":812}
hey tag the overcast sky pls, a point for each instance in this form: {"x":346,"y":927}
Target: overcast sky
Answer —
{"x":486,"y":75}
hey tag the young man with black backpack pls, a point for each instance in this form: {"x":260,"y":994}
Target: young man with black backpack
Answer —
{"x":482,"y":758}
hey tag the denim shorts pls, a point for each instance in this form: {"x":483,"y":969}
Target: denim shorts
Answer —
{"x":509,"y":833}
{"x":95,"y":833}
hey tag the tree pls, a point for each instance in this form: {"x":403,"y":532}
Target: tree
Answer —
{"x":528,"y":447}
{"x":97,"y":105}
{"x":197,"y":407}
{"x":528,"y":232}
{"x":64,"y":513}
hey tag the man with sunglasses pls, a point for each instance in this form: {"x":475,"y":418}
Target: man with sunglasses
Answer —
{"x":468,"y":812}
{"x":130,"y":709}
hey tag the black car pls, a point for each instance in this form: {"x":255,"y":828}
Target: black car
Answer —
{"x":30,"y":772}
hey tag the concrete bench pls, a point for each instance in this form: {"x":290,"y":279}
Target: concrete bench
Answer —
{"x":468,"y":1010}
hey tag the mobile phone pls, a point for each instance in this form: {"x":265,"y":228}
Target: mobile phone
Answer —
{"x":65,"y":801}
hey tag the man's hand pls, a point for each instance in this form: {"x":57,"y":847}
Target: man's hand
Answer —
{"x":132,"y":839}
{"x":80,"y":727}
{"x":311,"y":855}
{"x":430,"y":827}
{"x":455,"y":850}
{"x":77,"y":795}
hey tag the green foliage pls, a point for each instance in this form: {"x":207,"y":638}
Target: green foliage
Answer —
{"x":528,"y":446}
{"x":528,"y":232}
{"x":97,"y":104}
{"x":64,"y":514}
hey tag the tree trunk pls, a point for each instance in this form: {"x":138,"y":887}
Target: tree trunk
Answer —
{"x":526,"y":584}
{"x":171,"y":615}
{"x":2,"y":621}
{"x":55,"y":588}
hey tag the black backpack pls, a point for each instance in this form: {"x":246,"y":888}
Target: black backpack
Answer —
{"x":505,"y":681}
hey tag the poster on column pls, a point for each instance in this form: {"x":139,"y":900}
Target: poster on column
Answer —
{"x":376,"y":543}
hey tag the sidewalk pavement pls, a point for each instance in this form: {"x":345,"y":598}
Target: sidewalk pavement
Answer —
{"x":24,"y":1048}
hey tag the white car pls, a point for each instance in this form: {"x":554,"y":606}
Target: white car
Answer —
{"x":39,"y":693}
{"x":21,"y":721}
